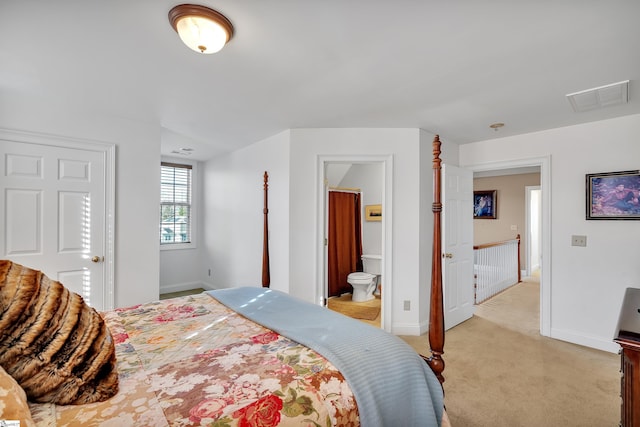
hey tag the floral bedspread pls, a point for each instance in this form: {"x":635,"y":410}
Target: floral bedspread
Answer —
{"x":191,"y":361}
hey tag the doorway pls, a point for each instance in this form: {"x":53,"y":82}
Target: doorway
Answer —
{"x":543,"y":164}
{"x":373,"y":175}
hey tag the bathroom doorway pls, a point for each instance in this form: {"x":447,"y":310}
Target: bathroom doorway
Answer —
{"x":371,"y":175}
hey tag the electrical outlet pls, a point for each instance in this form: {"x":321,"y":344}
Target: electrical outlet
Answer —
{"x":578,"y":240}
{"x":407,"y":305}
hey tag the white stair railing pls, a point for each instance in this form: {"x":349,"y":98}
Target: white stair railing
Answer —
{"x":496,"y":267}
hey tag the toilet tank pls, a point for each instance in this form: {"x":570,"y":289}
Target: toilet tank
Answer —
{"x":372,"y":264}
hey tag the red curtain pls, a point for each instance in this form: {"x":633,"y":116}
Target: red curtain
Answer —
{"x":344,"y":241}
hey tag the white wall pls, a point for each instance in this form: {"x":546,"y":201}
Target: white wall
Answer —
{"x":232,"y":236}
{"x":511,"y":212}
{"x":370,"y":179}
{"x":587,"y":283}
{"x":404,"y":145}
{"x":137,"y":196}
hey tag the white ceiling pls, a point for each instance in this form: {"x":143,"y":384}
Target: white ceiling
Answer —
{"x":450,"y":67}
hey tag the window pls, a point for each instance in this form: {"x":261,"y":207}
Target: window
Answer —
{"x":175,"y":203}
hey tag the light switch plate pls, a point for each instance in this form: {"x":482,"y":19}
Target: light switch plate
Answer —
{"x":578,"y":240}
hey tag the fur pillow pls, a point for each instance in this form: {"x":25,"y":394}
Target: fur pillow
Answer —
{"x":13,"y":401}
{"x":51,"y":342}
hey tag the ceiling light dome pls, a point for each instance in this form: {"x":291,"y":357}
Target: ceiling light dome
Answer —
{"x":202,"y":29}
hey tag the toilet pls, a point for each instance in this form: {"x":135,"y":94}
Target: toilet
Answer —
{"x":365,"y":282}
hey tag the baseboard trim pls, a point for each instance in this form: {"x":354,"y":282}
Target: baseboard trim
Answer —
{"x":585,"y":340}
{"x":412,"y":329}
{"x":178,"y":287}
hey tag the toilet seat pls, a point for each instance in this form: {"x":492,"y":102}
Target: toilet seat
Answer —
{"x":360,"y":275}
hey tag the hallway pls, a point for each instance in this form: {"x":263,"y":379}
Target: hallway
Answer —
{"x":516,"y":308}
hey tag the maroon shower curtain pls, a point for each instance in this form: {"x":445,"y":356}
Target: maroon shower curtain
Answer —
{"x":344,"y":241}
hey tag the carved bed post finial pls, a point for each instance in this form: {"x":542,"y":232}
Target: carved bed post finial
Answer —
{"x":266,"y":276}
{"x":436,"y":315}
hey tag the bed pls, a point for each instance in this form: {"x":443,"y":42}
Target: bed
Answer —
{"x":250,"y":356}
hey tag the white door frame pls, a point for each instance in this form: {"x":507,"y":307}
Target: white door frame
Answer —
{"x":387,"y":237}
{"x":545,"y":233}
{"x":529,"y":189}
{"x":108,"y":152}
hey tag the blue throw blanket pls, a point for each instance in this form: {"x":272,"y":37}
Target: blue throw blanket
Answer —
{"x":391,"y":383}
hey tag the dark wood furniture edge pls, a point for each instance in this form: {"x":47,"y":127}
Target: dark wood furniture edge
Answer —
{"x":266,"y":275}
{"x":628,"y":338}
{"x":436,"y":313}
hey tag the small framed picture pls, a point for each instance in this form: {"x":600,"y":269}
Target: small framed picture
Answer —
{"x":613,"y":195}
{"x":373,"y":213}
{"x":485,"y":204}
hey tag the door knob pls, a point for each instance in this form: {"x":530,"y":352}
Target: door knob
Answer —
{"x":96,"y":258}
{"x":447,"y":255}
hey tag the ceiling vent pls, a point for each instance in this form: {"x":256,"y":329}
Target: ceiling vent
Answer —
{"x":603,"y":96}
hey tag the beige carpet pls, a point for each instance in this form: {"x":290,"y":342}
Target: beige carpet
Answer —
{"x":501,"y":372}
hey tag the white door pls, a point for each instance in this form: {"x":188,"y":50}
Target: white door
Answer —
{"x":457,"y":245}
{"x":52,"y":214}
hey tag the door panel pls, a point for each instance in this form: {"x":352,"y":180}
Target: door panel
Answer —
{"x":457,"y":267}
{"x":73,"y":222}
{"x":52,"y":214}
{"x":23,"y":234}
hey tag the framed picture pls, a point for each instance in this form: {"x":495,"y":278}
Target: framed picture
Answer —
{"x":485,"y":204}
{"x":613,"y":195}
{"x":373,"y":213}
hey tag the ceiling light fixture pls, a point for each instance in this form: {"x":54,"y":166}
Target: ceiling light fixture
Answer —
{"x":202,"y":29}
{"x":496,"y":126}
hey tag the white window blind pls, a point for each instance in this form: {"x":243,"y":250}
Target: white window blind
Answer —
{"x":175,"y":203}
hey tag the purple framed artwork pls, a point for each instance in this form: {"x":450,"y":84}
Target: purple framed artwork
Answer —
{"x":613,"y":195}
{"x":485,"y":204}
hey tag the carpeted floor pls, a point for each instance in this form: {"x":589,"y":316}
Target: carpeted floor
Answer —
{"x":501,"y":372}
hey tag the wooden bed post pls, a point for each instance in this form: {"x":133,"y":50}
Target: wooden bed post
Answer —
{"x":436,"y":315}
{"x":266,"y":277}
